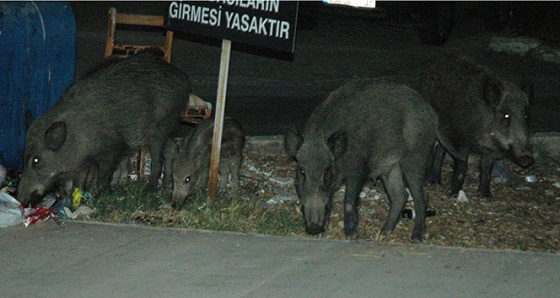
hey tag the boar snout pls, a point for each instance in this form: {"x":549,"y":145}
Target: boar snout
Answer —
{"x":175,"y":205}
{"x":314,"y":229}
{"x":177,"y":201}
{"x":29,"y":199}
{"x":314,"y":219}
{"x":524,"y":157}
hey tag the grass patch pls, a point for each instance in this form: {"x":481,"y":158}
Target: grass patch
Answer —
{"x":129,"y":203}
{"x":125,"y":199}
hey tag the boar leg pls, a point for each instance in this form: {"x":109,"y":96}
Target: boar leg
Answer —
{"x":89,"y":178}
{"x":354,"y":185}
{"x":167,"y":173}
{"x":396,"y":191}
{"x":229,"y":172}
{"x":434,"y":168}
{"x":223,"y":176}
{"x":486,"y":165}
{"x":459,"y":174}
{"x":156,"y":147}
{"x":413,"y":170}
{"x":420,"y":205}
{"x":234,"y":171}
{"x":169,"y":153}
{"x":105,"y":170}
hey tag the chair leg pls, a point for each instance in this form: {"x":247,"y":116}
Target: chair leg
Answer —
{"x":112,"y":23}
{"x":168,"y":46}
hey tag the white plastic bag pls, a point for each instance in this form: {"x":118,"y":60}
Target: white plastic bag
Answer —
{"x":10,"y":211}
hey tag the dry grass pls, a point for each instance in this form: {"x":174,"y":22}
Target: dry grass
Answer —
{"x":523,"y":216}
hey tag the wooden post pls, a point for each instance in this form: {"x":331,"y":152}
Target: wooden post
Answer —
{"x":218,"y":122}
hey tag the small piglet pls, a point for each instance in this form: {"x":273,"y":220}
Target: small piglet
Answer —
{"x":191,"y":166}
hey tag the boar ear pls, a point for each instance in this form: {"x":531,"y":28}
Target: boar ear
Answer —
{"x":491,"y":92}
{"x":55,"y":135}
{"x":338,"y":142}
{"x":292,"y":142}
{"x":527,"y":87}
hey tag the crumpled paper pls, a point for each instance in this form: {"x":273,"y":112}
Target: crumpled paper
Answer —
{"x":82,"y":211}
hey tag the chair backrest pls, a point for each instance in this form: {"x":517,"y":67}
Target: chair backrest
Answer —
{"x":135,"y":20}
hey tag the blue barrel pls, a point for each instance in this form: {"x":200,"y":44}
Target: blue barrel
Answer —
{"x":37,"y":62}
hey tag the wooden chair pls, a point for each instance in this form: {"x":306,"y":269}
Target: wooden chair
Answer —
{"x":124,"y":50}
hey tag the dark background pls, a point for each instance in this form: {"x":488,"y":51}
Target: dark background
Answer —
{"x":269,"y":91}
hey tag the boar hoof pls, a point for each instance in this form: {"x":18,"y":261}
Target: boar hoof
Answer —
{"x":418,"y":233}
{"x":488,"y":198}
{"x":352,"y":237}
{"x":416,"y":237}
{"x":486,"y":195}
{"x":351,"y":233}
{"x":379,"y":236}
{"x":453,"y":192}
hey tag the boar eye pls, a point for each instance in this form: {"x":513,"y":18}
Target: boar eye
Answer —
{"x":301,"y":174}
{"x":187,"y":180}
{"x":35,"y":161}
{"x":507,"y":119}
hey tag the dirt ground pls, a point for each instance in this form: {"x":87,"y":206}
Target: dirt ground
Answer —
{"x":523,"y":215}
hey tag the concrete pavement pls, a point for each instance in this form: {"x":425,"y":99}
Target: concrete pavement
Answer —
{"x":83,"y":259}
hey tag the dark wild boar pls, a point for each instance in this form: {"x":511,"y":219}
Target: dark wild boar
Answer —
{"x":191,"y":167}
{"x":479,"y":113}
{"x":360,"y":132}
{"x":112,"y":112}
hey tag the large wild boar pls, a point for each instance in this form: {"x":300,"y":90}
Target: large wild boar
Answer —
{"x":191,"y":167}
{"x":364,"y":131}
{"x":479,"y":113}
{"x":113,"y":111}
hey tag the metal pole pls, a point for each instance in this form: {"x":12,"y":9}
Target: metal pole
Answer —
{"x":218,"y":122}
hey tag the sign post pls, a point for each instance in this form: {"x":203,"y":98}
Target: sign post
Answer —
{"x":268,"y":24}
{"x":218,"y":121}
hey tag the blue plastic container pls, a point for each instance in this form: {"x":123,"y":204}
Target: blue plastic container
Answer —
{"x":37,"y":62}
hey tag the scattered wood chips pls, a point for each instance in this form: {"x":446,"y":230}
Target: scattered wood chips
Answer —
{"x":522,"y":216}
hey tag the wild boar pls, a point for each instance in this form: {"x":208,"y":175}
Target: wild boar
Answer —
{"x":479,"y":113}
{"x":364,"y":131}
{"x":113,"y":111}
{"x":191,"y":167}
